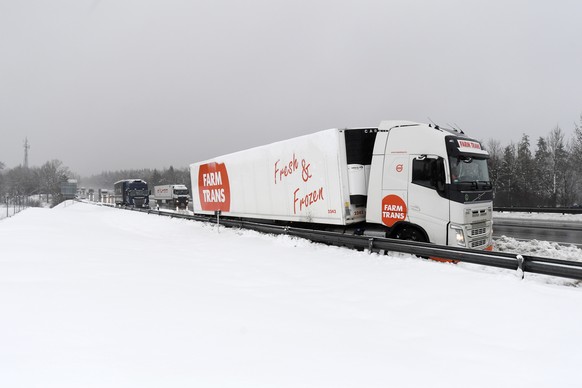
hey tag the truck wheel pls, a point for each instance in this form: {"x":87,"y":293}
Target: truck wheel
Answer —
{"x":410,"y":233}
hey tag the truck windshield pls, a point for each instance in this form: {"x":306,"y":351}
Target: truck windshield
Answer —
{"x":181,"y":192}
{"x":138,"y":192}
{"x":466,"y":169}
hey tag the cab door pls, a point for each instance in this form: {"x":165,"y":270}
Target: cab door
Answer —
{"x":427,"y":205}
{"x":394,"y":189}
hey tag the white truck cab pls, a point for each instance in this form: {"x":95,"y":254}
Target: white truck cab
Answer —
{"x":431,"y":184}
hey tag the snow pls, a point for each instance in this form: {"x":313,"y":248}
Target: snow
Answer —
{"x":92,"y":296}
{"x":536,"y":247}
{"x":539,"y":216}
{"x":7,"y":211}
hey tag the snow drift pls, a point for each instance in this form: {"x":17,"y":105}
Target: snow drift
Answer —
{"x":98,"y":297}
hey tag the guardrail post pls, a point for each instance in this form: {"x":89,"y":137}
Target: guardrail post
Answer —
{"x":520,"y":271}
{"x":217,"y":213}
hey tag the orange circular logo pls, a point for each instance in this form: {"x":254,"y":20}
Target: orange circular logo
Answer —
{"x":393,"y":210}
{"x":214,"y":187}
{"x":399,"y":167}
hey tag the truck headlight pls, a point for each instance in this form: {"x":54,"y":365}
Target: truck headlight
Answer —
{"x":460,"y":235}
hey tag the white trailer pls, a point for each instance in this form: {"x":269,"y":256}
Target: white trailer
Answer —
{"x":170,"y":196}
{"x":402,"y":179}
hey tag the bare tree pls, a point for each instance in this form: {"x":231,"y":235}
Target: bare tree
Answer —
{"x":51,"y":174}
{"x":558,"y":164}
{"x":568,"y":179}
{"x":2,"y":188}
{"x":495,"y":161}
{"x":506,"y":182}
{"x":20,"y":180}
{"x":576,"y":161}
{"x":524,"y":171}
{"x":543,"y":176}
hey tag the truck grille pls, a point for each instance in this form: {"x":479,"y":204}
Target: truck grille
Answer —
{"x":479,"y":213}
{"x":478,"y":243}
{"x":478,"y":231}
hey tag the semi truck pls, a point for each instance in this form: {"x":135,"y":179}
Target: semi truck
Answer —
{"x":103,"y":195}
{"x":171,"y":196}
{"x":131,"y":193}
{"x":402,"y":179}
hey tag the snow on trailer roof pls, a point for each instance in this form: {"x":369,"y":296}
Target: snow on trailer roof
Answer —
{"x":130,"y":180}
{"x":264,"y":146}
{"x":251,"y":150}
{"x":389,"y":124}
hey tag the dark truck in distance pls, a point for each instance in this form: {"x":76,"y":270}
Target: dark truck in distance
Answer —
{"x":131,"y":193}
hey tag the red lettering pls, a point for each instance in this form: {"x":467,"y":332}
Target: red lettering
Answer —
{"x":393,"y":209}
{"x":286,"y":170}
{"x":307,"y":200}
{"x":214,"y":187}
{"x":305,"y":175}
{"x":469,"y":144}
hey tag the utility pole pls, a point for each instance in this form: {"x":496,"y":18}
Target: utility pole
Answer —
{"x":26,"y":148}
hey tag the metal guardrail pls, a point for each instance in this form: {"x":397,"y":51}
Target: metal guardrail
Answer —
{"x":557,"y":210}
{"x":543,"y":224}
{"x":521,"y":263}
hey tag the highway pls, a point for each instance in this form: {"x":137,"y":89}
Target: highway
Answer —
{"x":562,"y":232}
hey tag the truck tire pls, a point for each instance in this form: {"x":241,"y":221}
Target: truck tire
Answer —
{"x":411,"y":233}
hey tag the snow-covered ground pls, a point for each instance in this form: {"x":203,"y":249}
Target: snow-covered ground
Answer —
{"x":97,"y":297}
{"x":11,"y":209}
{"x":7,"y":211}
{"x":537,"y":247}
{"x":539,"y":216}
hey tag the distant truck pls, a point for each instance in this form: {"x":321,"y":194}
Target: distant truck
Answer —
{"x":103,"y":195}
{"x":170,"y":196}
{"x":131,"y":193}
{"x":402,"y":179}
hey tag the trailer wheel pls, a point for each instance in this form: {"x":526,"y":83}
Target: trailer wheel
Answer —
{"x":410,"y":233}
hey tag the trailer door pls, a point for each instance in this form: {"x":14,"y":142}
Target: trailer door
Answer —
{"x":427,"y":205}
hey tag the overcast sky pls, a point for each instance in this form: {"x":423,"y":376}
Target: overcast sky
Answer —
{"x":118,"y":84}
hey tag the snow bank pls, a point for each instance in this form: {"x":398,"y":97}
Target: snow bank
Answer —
{"x":98,"y":297}
{"x":539,"y":216}
{"x":538,"y":248}
{"x":7,"y":212}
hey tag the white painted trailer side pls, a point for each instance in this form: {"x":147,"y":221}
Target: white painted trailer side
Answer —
{"x":164,"y":192}
{"x":304,"y":179}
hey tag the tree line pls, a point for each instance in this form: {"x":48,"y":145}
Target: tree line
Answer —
{"x":153,"y":177}
{"x":46,"y":180}
{"x":25,"y":182}
{"x":551,"y":175}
